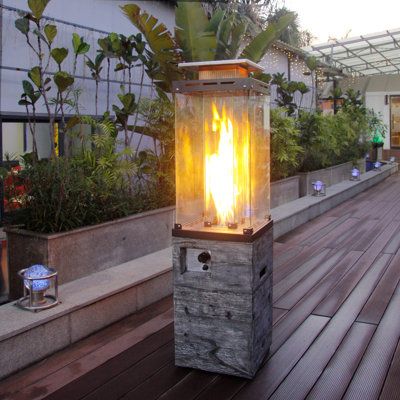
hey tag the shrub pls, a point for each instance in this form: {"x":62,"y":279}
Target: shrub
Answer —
{"x":90,"y":187}
{"x":285,"y":148}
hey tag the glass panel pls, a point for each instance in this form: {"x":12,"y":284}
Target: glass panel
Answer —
{"x":222,"y":161}
{"x":189,"y":160}
{"x":227,"y":176}
{"x":394,"y":121}
{"x":260,"y":158}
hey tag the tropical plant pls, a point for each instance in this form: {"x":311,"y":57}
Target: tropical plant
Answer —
{"x":40,"y":37}
{"x":198,"y":38}
{"x":285,"y":91}
{"x":293,"y":34}
{"x":95,"y":67}
{"x":285,"y":149}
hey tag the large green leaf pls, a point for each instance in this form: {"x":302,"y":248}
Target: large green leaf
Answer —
{"x":28,"y":88}
{"x":63,"y":80}
{"x":34,"y":75}
{"x":51,"y":32}
{"x":22,"y":24}
{"x":59,"y":54}
{"x":196,"y":42}
{"x":257,"y":48}
{"x":164,"y":55}
{"x":79,"y":45}
{"x":37,"y":7}
{"x":128,"y":101}
{"x":215,"y":21}
{"x":157,"y":35}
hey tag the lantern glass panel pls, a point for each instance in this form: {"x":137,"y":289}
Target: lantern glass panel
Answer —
{"x":222,"y":160}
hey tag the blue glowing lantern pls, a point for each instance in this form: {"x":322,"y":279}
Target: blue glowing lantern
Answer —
{"x":377,"y":166}
{"x":355,"y":174}
{"x":38,"y":279}
{"x":392,"y":159}
{"x":319,"y":188}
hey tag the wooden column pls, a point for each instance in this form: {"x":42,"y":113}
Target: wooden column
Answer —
{"x":223,"y":312}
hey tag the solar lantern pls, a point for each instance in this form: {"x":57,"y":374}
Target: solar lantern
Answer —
{"x":355,"y":174}
{"x":222,"y":239}
{"x":392,"y":159}
{"x":377,"y":166}
{"x":40,"y":285}
{"x":318,"y":188}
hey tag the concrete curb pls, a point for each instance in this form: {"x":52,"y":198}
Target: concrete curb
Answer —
{"x":87,"y":305}
{"x":291,"y":215}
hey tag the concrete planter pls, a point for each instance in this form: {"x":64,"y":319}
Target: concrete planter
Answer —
{"x":284,"y":191}
{"x":83,"y":251}
{"x":330,"y":176}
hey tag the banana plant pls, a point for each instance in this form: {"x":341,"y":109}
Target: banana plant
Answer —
{"x":198,"y":39}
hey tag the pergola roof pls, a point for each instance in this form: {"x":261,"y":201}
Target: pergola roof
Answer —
{"x":373,"y":54}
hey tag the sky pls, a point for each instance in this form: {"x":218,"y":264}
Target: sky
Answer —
{"x":341,"y":18}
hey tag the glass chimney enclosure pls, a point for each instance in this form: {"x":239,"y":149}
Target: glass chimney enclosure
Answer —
{"x":222,"y":150}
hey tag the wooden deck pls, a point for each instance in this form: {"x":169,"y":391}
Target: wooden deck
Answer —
{"x":336,"y":325}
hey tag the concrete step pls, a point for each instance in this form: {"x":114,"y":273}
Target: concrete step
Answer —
{"x":87,"y":305}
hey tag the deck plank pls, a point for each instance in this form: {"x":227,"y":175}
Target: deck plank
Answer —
{"x":337,"y":260}
{"x":153,"y":387}
{"x":304,"y":375}
{"x":124,"y":382}
{"x":379,"y":300}
{"x":85,"y":346}
{"x":338,"y":373}
{"x":281,"y":363}
{"x":370,"y":376}
{"x":391,"y":387}
{"x":148,"y":336}
{"x":290,"y":322}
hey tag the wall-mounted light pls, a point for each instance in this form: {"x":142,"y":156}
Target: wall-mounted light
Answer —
{"x":319,"y":188}
{"x":38,"y":280}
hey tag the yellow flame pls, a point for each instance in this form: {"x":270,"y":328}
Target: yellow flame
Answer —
{"x":221,"y":170}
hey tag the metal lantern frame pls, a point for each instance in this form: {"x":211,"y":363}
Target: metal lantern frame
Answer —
{"x":49,"y":300}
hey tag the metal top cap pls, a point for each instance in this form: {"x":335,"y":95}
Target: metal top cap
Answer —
{"x":242,"y":62}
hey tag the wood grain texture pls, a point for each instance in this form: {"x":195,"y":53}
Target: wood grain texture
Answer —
{"x":223,"y":317}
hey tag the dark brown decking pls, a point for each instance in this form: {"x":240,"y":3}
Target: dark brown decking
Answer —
{"x":336,"y":325}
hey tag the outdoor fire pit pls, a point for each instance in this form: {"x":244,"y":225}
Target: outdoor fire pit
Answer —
{"x":222,"y":238}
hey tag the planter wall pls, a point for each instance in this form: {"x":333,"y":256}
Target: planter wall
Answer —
{"x":284,"y":191}
{"x":330,"y":176}
{"x":90,"y":249}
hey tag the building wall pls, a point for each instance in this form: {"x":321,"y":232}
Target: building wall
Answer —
{"x":278,"y":60}
{"x":105,"y":15}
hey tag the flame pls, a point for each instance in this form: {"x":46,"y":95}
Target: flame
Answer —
{"x":221,"y":172}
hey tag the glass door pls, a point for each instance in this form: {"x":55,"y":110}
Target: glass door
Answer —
{"x":395,"y":121}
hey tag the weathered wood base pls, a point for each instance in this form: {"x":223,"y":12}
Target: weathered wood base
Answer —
{"x":223,"y":316}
